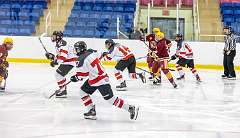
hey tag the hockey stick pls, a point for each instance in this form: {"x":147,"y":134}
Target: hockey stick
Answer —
{"x":40,"y":40}
{"x":57,"y":91}
{"x":144,"y":70}
{"x":141,"y":57}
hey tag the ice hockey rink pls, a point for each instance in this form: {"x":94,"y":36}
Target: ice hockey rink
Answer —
{"x":207,"y":110}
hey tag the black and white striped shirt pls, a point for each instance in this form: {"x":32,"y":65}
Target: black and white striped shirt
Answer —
{"x":230,"y":42}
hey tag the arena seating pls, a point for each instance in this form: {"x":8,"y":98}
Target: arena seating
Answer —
{"x":230,"y":10}
{"x":19,"y":17}
{"x":161,"y":3}
{"x":98,"y":18}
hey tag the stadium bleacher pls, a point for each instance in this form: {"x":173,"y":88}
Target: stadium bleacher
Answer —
{"x":169,"y":2}
{"x":19,"y":17}
{"x":230,"y":10}
{"x":98,"y":18}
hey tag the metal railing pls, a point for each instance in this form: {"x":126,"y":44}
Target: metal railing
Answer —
{"x":48,"y":22}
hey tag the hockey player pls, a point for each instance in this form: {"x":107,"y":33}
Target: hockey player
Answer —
{"x":4,"y":48}
{"x":150,"y":58}
{"x":88,"y":65}
{"x":125,"y":59}
{"x":161,"y":57}
{"x":185,"y":55}
{"x":65,"y":58}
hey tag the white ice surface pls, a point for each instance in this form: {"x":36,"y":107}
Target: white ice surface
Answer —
{"x":207,"y":110}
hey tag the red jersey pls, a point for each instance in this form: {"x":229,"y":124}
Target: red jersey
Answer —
{"x":3,"y":52}
{"x":162,"y":48}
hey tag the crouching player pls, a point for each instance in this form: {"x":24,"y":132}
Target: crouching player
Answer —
{"x":88,"y":65}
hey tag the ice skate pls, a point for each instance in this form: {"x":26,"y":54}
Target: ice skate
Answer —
{"x":157,"y":81}
{"x":91,"y":114}
{"x":174,"y":85}
{"x":198,"y":79}
{"x":61,"y":94}
{"x":133,"y":112}
{"x":224,"y":76}
{"x":122,"y":86}
{"x":231,"y":77}
{"x":2,"y":86}
{"x":142,"y":77}
{"x":182,"y":77}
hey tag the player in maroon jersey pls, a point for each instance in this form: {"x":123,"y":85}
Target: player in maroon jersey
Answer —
{"x":4,"y":48}
{"x":161,"y":57}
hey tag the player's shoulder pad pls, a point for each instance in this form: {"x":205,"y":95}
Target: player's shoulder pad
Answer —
{"x":91,"y":50}
{"x":62,"y":43}
{"x":82,"y":57}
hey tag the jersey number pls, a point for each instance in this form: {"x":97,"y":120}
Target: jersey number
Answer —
{"x":96,"y":62}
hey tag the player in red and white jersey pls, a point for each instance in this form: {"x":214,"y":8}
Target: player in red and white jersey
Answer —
{"x":65,"y":57}
{"x":125,"y":59}
{"x":88,"y":65}
{"x":185,"y":55}
{"x":4,"y":48}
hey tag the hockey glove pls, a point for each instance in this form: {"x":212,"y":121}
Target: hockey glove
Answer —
{"x":53,"y":63}
{"x":104,"y":54}
{"x":74,"y":78}
{"x":50,"y":56}
{"x":173,"y":57}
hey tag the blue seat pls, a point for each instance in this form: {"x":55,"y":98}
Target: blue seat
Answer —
{"x":227,"y":11}
{"x":106,"y":16}
{"x":108,"y":8}
{"x":118,"y":9}
{"x":89,"y":33}
{"x":228,"y":20}
{"x":98,"y":7}
{"x":12,"y":31}
{"x":74,"y":15}
{"x":91,"y":24}
{"x":29,"y":23}
{"x":26,"y":32}
{"x":6,"y":22}
{"x":71,"y":24}
{"x":3,"y":31}
{"x":87,"y":7}
{"x":67,"y":33}
{"x":81,"y":24}
{"x":77,"y":33}
{"x":129,"y":9}
{"x":27,"y":6}
{"x":83,"y":15}
{"x":236,"y":11}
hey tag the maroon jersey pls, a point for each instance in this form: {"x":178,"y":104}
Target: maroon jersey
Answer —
{"x":3,"y":53}
{"x":162,"y":48}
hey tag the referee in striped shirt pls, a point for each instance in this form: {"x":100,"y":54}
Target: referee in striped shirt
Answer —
{"x":229,"y":53}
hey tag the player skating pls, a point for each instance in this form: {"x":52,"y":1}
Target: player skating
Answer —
{"x":65,"y":58}
{"x":161,"y":58}
{"x":88,"y":65}
{"x":125,"y":59}
{"x":4,"y":48}
{"x":185,"y":55}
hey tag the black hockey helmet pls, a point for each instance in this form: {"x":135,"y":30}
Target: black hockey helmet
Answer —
{"x":109,"y":41}
{"x":178,"y":37}
{"x":80,"y":47}
{"x":57,"y":36}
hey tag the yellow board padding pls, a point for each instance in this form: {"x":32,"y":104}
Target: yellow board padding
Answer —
{"x":113,"y":63}
{"x":28,"y":60}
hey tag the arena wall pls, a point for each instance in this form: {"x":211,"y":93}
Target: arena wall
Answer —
{"x":207,"y":55}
